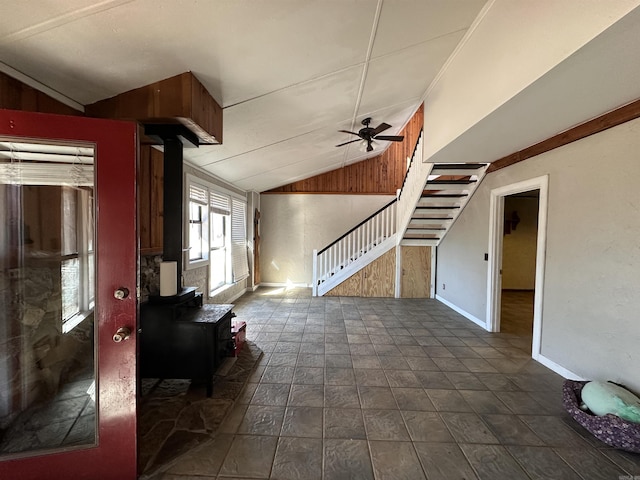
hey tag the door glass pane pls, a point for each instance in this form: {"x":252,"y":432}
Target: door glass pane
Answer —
{"x":47,"y":337}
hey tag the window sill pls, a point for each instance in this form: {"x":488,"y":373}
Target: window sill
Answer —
{"x":74,"y":321}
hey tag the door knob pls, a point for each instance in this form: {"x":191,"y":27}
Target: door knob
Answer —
{"x":123,"y":333}
{"x":121,"y":293}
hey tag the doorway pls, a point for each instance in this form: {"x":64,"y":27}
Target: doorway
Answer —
{"x":516,"y":266}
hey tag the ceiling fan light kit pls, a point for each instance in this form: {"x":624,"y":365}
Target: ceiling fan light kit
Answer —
{"x":367,"y":135}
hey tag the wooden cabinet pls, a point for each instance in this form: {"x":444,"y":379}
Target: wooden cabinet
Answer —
{"x":150,"y":192}
{"x":416,"y":272}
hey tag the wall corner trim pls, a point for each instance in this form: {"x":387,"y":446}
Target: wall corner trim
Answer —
{"x":465,"y":314}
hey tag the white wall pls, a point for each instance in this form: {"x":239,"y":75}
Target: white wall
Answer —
{"x":519,"y":246}
{"x":592,"y":274}
{"x":293,"y":225}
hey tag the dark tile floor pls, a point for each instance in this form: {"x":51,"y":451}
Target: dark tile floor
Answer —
{"x":354,"y":388}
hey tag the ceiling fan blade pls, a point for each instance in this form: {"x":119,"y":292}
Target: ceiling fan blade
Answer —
{"x":346,"y":143}
{"x":390,"y":138}
{"x":380,"y":128}
{"x":347,"y":131}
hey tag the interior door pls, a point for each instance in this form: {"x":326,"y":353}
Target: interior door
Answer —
{"x":68,"y":303}
{"x":416,"y":272}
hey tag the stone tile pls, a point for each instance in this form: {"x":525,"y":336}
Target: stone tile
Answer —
{"x":347,"y":459}
{"x":233,"y":419}
{"x":358,"y":338}
{"x":426,"y":427}
{"x":371,"y":377}
{"x":306,"y":396}
{"x":337,"y":349}
{"x":465,"y":381}
{"x":497,"y":382}
{"x":589,"y":464}
{"x":286,"y":346}
{"x":543,"y":463}
{"x":422,"y":363}
{"x":510,"y":430}
{"x":377,"y":398}
{"x":262,"y":420}
{"x":298,"y":458}
{"x":433,"y":380}
{"x":341,"y":361}
{"x":250,"y":456}
{"x":384,"y":350}
{"x":312,"y":348}
{"x":493,"y":462}
{"x":205,"y":459}
{"x":365,"y":361}
{"x":444,"y":461}
{"x":448,"y":401}
{"x":302,"y":422}
{"x":343,"y":423}
{"x":283,"y":360}
{"x":310,"y":360}
{"x":484,"y":402}
{"x":277,"y":374}
{"x":468,"y":428}
{"x":553,"y":431}
{"x":274,"y":394}
{"x":384,"y":425}
{"x":341,"y":396}
{"x":413,"y":399}
{"x":397,"y":460}
{"x":308,"y":376}
{"x":362,"y":349}
{"x":438,"y":352}
{"x":402,"y":378}
{"x":339,"y":376}
{"x":520,"y":402}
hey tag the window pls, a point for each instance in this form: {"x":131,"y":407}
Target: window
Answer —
{"x":198,"y":220}
{"x":217,"y":233}
{"x":77,"y":266}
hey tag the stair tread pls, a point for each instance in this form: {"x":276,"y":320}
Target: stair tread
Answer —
{"x":454,"y":182}
{"x":458,"y":166}
{"x":443,"y":195}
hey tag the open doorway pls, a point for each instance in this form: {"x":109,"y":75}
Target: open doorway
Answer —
{"x":516,"y":265}
{"x":520,"y":232}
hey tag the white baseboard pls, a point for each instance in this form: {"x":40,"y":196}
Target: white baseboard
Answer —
{"x":285,"y":285}
{"x":560,"y":370}
{"x":467,"y":315}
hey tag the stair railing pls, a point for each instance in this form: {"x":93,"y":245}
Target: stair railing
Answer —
{"x":412,"y":187}
{"x":354,"y":244}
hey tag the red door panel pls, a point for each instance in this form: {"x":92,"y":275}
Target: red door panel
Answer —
{"x":116,"y":253}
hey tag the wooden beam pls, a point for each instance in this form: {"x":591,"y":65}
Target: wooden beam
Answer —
{"x":616,"y":117}
{"x":180,"y":99}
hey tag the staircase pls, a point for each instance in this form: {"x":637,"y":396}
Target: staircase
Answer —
{"x":446,"y":191}
{"x":431,"y":198}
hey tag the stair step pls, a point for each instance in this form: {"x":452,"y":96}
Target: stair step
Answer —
{"x":455,"y":168}
{"x":425,"y":230}
{"x":424,"y":242}
{"x":436,"y":207}
{"x":443,"y":195}
{"x":428,"y":221}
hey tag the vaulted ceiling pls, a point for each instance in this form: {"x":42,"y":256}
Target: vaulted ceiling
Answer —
{"x":291,"y":73}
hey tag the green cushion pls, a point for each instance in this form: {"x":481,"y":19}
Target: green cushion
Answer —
{"x":604,"y":397}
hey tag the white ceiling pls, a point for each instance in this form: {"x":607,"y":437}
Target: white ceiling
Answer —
{"x":288,"y":73}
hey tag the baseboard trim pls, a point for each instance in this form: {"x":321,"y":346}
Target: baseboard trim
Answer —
{"x":559,"y":369}
{"x":285,"y":285}
{"x":467,"y":315}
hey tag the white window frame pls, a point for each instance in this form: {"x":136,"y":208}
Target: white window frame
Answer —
{"x":235,"y":231}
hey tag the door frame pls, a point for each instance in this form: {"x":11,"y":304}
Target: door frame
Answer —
{"x":494,"y":276}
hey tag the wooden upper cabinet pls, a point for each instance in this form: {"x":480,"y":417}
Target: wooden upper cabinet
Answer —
{"x":150,"y":192}
{"x":180,"y":99}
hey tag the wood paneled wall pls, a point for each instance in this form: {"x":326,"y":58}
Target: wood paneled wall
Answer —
{"x":15,"y":95}
{"x":150,"y":199}
{"x":378,"y":175}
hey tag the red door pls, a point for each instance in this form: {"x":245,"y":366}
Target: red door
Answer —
{"x":68,"y":283}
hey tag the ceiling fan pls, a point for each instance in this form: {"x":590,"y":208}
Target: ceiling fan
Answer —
{"x":368,"y":135}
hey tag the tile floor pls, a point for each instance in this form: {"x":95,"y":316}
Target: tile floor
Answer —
{"x":353,"y":388}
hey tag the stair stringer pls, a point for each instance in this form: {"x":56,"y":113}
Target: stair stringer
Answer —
{"x":358,"y":264}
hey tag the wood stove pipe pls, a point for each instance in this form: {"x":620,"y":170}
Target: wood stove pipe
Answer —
{"x":173,"y":138}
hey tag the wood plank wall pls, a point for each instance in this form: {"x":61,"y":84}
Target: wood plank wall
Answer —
{"x":382,"y":174}
{"x":15,"y":95}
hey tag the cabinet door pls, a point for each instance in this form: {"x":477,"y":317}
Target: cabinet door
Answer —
{"x":416,"y":272}
{"x":68,"y":270}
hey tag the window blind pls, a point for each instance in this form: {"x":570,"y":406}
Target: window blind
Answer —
{"x":239,"y":261}
{"x":219,"y":203}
